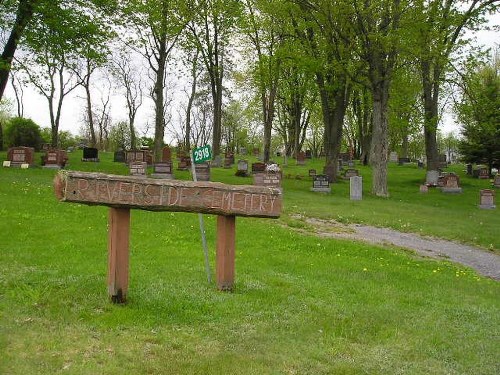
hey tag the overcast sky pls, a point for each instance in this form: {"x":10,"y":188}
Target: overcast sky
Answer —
{"x":36,"y":107}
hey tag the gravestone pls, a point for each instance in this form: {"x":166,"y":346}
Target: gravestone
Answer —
{"x":487,"y":199}
{"x":242,"y":170}
{"x":403,"y":161}
{"x":351,"y":172}
{"x":321,"y":184}
{"x":166,"y":154}
{"x":496,"y":181}
{"x":54,"y":159}
{"x":424,"y":188}
{"x":393,"y":157}
{"x":227,"y":163}
{"x":442,"y":163}
{"x":351,"y":163}
{"x":217,"y":162}
{"x":138,"y":168}
{"x":184,"y":163}
{"x":256,"y":152}
{"x":136,"y":156}
{"x":420,"y":164}
{"x":163,"y":170}
{"x":312,"y":172}
{"x":90,"y":154}
{"x":451,"y":184}
{"x":356,"y":188}
{"x":469,"y":169}
{"x":431,"y":178}
{"x":301,"y":158}
{"x":202,"y":171}
{"x":20,"y":155}
{"x":119,"y":156}
{"x":308,"y":154}
{"x":243,"y":151}
{"x":484,"y":174}
{"x":266,"y":178}
{"x":258,"y":167}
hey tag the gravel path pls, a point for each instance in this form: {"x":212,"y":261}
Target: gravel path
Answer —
{"x":484,"y":262}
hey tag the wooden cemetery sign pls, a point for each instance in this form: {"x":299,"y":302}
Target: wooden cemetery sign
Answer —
{"x":21,"y":155}
{"x":122,"y":193}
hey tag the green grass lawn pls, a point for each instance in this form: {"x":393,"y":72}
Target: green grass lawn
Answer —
{"x":302,"y":304}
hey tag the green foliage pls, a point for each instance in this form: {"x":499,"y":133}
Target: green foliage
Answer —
{"x":119,"y":136}
{"x":479,"y":113}
{"x":23,"y":132}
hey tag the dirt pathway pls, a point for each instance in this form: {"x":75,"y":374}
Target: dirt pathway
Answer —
{"x":484,"y":262}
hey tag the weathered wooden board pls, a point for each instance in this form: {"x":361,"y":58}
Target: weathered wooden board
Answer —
{"x":167,"y":195}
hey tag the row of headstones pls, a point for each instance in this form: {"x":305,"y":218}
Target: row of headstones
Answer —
{"x":24,"y":157}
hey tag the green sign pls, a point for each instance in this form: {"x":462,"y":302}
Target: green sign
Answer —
{"x":202,"y":154}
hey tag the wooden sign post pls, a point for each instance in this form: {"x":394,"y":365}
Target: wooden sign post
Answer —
{"x":123,"y":193}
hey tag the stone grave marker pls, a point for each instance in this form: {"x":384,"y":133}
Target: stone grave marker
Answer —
{"x":163,"y":170}
{"x":403,"y":161}
{"x":484,"y":173}
{"x":424,"y":188}
{"x":202,"y":171}
{"x":431,"y":178}
{"x":227,"y":162}
{"x":356,"y":188}
{"x":54,"y":159}
{"x":166,"y":154}
{"x":138,"y":168}
{"x":393,"y":157}
{"x":20,"y":155}
{"x":119,"y":156}
{"x":301,"y":158}
{"x":258,"y":167}
{"x":487,"y":199}
{"x":442,"y":163}
{"x":496,"y":181}
{"x":469,"y":169}
{"x":321,"y":183}
{"x":217,"y":161}
{"x":184,"y":163}
{"x":351,"y":172}
{"x":451,"y":184}
{"x":312,"y":172}
{"x":243,"y":150}
{"x":90,"y":154}
{"x":308,"y":154}
{"x":420,"y":164}
{"x":136,"y":155}
{"x":242,"y":170}
{"x":270,"y":177}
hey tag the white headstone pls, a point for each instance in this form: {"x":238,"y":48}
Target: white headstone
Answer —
{"x":6,"y":163}
{"x":356,"y":183}
{"x":393,"y":156}
{"x":432,"y":178}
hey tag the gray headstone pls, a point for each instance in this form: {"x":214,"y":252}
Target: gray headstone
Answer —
{"x":432,"y":178}
{"x":356,"y":184}
{"x":487,"y":199}
{"x":217,"y":162}
{"x":393,"y":157}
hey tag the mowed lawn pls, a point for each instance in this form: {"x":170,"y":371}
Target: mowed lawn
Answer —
{"x":301,"y":305}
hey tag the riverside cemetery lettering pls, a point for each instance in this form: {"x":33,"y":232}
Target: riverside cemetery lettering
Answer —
{"x":122,"y":193}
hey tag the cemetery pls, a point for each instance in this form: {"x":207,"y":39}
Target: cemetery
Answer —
{"x":112,"y":249}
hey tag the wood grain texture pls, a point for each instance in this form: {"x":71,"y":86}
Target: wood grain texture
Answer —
{"x":168,"y":195}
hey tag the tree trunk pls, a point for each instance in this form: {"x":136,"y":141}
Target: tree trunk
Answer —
{"x":379,"y":146}
{"x":333,"y":106}
{"x":431,"y":113}
{"x":1,"y":136}
{"x":23,"y":17}
{"x":159,"y":98}
{"x":93,"y":141}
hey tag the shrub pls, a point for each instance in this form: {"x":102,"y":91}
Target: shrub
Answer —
{"x":23,"y":132}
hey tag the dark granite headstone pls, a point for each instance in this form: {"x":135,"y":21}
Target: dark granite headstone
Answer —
{"x":119,"y":156}
{"x":350,"y":173}
{"x":469,"y":169}
{"x":312,"y":172}
{"x":321,"y":183}
{"x":90,"y":154}
{"x":484,"y":173}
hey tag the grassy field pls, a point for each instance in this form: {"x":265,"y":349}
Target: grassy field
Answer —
{"x":302,"y":304}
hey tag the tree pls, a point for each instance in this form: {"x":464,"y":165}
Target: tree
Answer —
{"x":211,"y":28}
{"x":441,"y":26}
{"x":23,"y":132}
{"x":479,"y":113}
{"x":158,"y":25}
